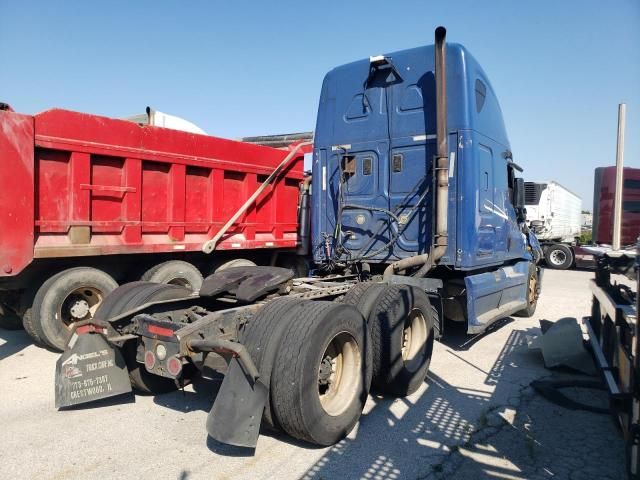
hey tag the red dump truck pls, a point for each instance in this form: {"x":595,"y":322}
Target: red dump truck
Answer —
{"x":88,"y":202}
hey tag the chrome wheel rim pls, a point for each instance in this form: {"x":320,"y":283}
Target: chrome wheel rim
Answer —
{"x":558,"y":257}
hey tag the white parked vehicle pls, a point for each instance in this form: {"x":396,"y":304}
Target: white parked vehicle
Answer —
{"x":555,"y":215}
{"x":160,"y":119}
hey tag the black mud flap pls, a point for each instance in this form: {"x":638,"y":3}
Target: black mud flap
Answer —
{"x":236,"y":414}
{"x":90,"y":370}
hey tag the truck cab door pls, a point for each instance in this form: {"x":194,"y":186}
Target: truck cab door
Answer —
{"x":357,"y":168}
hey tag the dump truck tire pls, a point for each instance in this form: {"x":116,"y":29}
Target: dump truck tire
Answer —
{"x":174,"y":272}
{"x":261,"y":337}
{"x":532,"y":294}
{"x":27,"y":323}
{"x":322,"y":372}
{"x":558,"y":256}
{"x":69,"y":296}
{"x":238,"y":262}
{"x":402,"y":337}
{"x":128,"y":297}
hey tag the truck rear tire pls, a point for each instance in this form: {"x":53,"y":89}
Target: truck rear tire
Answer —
{"x":261,"y":337}
{"x":363,"y":296}
{"x":67,"y":297}
{"x":127,"y":297}
{"x":322,"y":372}
{"x":558,"y":256}
{"x":402,"y":335}
{"x":174,"y":272}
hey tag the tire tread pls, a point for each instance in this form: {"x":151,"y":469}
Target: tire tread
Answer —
{"x":288,"y":367}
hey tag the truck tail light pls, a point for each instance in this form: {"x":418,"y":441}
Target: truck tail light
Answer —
{"x":160,"y":331}
{"x":174,"y":366}
{"x":149,"y":360}
{"x":90,"y":328}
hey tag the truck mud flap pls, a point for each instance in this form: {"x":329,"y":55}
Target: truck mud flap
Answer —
{"x":237,"y":411}
{"x":91,"y":370}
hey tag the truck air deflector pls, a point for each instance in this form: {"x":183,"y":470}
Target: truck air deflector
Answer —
{"x":375,"y":138}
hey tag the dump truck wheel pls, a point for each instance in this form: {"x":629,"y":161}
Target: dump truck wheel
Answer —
{"x":67,"y":297}
{"x":532,"y":294}
{"x":175,"y":272}
{"x":322,"y":373}
{"x":261,"y":336}
{"x":27,"y":323}
{"x":558,"y":256}
{"x":238,"y":262}
{"x":402,"y":337}
{"x":363,"y":296}
{"x":128,"y":297}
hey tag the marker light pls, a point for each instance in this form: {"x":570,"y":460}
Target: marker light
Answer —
{"x":161,"y":352}
{"x":174,"y":366}
{"x":149,"y":360}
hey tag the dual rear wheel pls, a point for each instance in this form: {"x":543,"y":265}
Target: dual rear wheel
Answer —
{"x":316,"y":355}
{"x":320,"y":358}
{"x":402,"y":324}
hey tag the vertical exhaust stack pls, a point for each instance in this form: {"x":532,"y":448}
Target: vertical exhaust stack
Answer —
{"x":441,"y":159}
{"x":426,"y":261}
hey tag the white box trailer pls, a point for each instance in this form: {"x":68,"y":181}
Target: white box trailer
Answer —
{"x":554,"y":213}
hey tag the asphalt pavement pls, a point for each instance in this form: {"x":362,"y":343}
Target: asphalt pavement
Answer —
{"x":475,"y":417}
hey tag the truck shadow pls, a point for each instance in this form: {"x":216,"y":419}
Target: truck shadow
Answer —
{"x":458,"y":339}
{"x":475,"y":425}
{"x":12,"y":342}
{"x":421,"y":436}
{"x":200,"y":394}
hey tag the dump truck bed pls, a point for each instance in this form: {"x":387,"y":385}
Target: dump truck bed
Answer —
{"x":73,"y":184}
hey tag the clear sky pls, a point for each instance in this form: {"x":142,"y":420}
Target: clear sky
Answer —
{"x":240,"y":68}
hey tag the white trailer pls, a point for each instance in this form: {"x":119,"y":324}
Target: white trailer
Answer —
{"x":555,"y":215}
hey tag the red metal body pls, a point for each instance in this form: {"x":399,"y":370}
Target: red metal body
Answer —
{"x":73,"y":184}
{"x":603,"y":199}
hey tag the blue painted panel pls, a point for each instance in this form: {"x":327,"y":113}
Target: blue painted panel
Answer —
{"x":495,"y":295}
{"x":390,"y":113}
{"x":486,"y":215}
{"x":487,"y":230}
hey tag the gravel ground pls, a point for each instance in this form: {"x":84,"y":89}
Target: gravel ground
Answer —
{"x":475,"y":417}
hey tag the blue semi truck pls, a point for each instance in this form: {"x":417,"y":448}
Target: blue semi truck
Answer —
{"x":414,"y":216}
